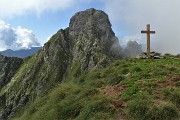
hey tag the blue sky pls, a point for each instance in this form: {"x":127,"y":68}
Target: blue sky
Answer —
{"x":48,"y":22}
{"x":27,"y":23}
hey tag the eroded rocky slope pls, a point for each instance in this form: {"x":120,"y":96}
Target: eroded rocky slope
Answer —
{"x":8,"y":67}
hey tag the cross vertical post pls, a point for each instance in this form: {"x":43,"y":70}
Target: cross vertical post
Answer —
{"x":148,"y":39}
{"x":148,"y":32}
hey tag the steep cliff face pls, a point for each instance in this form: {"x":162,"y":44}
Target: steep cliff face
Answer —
{"x":8,"y":67}
{"x":87,"y":43}
{"x":94,"y":41}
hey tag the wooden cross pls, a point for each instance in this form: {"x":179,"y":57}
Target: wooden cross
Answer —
{"x":148,"y":32}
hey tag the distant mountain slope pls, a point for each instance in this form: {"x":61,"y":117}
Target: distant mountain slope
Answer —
{"x":20,"y":53}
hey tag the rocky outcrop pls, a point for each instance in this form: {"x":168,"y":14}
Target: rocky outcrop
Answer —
{"x":87,"y":43}
{"x":8,"y":67}
{"x":94,"y":41}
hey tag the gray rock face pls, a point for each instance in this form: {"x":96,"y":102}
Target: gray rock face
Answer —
{"x":8,"y":67}
{"x":94,"y":41}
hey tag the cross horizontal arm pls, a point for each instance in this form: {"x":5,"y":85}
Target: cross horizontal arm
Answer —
{"x":151,"y":32}
{"x":143,"y":31}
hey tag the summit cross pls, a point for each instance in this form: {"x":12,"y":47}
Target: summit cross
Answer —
{"x":148,"y":32}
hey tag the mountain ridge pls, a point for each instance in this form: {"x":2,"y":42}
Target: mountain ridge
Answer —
{"x":88,"y":43}
{"x":22,"y":53}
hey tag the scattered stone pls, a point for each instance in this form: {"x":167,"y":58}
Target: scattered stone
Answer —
{"x":154,"y":55}
{"x":128,"y":76}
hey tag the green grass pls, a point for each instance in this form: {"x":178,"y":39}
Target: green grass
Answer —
{"x":148,"y":94}
{"x":69,"y":101}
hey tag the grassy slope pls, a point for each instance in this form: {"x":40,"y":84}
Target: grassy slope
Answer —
{"x":143,"y":89}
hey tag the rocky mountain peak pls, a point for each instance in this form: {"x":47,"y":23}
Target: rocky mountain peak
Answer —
{"x":90,"y":20}
{"x":95,"y":42}
{"x":87,"y":43}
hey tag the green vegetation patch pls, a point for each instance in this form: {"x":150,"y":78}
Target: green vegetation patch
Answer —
{"x":145,"y":89}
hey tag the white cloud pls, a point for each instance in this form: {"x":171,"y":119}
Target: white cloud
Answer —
{"x":133,"y":15}
{"x":16,"y":38}
{"x":126,"y":39}
{"x":25,"y":38}
{"x":11,"y":8}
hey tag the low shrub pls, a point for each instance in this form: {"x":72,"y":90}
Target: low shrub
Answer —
{"x":97,"y":108}
{"x":178,"y":56}
{"x":177,"y":84}
{"x":115,"y":80}
{"x":173,"y":95}
{"x":68,"y":109}
{"x":138,"y":109}
{"x":172,"y":69}
{"x":166,"y":112}
{"x":137,"y":69}
{"x":175,"y":98}
{"x":130,"y":93}
{"x":143,"y":110}
{"x":124,"y":71}
{"x":166,"y":92}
